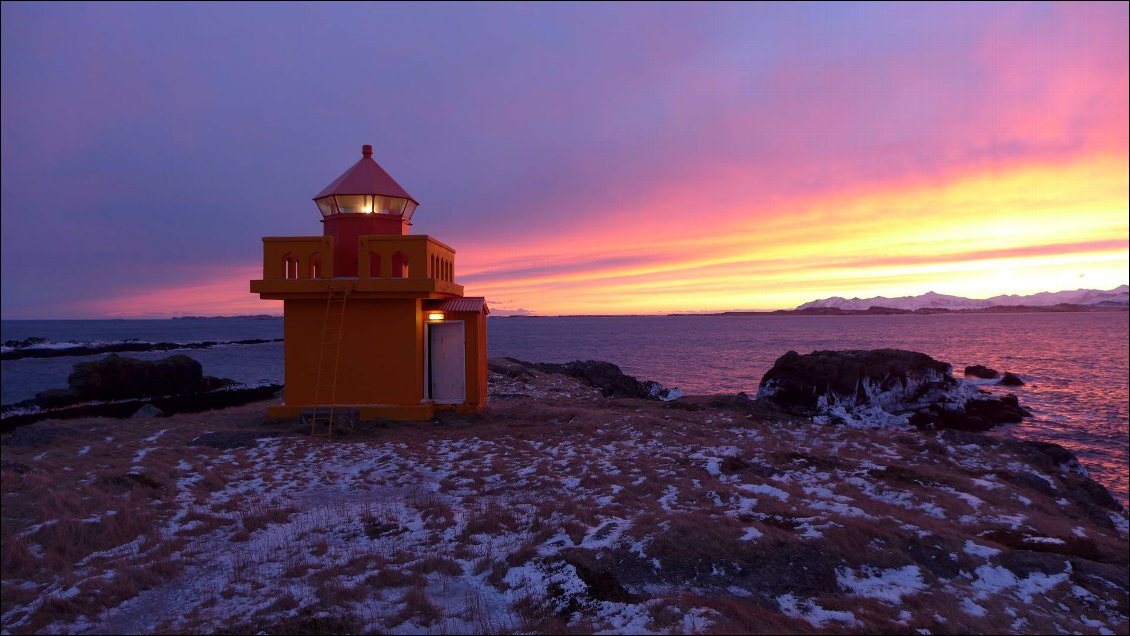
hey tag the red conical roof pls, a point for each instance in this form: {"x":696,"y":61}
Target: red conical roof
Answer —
{"x":366,"y":177}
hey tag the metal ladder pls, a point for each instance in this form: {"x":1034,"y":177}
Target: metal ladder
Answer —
{"x":325,"y":383}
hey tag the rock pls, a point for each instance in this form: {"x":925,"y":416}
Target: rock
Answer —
{"x":979,"y":413}
{"x":739,"y":402}
{"x":212,"y":383}
{"x":607,"y":377}
{"x":148,"y":411}
{"x":601,"y":583}
{"x":510,"y":367}
{"x":1010,"y":380}
{"x":119,"y":378}
{"x":116,"y":378}
{"x":1023,"y":561}
{"x":807,"y":384}
{"x":882,"y":388}
{"x":1032,"y":481}
{"x":934,"y":558}
{"x":54,"y":398}
{"x":1003,"y":410}
{"x":27,"y":342}
{"x":980,"y":371}
{"x":1054,"y":457}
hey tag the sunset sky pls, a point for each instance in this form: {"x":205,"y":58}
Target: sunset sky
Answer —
{"x":591,"y":158}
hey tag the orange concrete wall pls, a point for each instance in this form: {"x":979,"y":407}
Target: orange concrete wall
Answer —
{"x":382,"y":351}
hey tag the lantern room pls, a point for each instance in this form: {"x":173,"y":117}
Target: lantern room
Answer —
{"x":366,"y":189}
{"x":363,"y":201}
{"x":373,"y":320}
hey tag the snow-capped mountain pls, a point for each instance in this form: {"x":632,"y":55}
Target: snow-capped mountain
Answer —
{"x":930,"y":300}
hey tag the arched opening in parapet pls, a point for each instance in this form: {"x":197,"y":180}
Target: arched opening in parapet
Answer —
{"x":290,"y":266}
{"x":315,"y":265}
{"x":399,"y":265}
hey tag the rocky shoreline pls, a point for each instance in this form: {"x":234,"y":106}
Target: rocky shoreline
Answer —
{"x":118,"y":386}
{"x":43,"y":348}
{"x":578,"y":503}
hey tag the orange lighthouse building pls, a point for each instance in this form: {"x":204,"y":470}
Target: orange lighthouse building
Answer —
{"x":373,"y":320}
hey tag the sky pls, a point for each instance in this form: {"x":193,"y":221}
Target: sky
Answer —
{"x":588,"y":158}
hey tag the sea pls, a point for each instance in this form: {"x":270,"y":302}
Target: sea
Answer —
{"x":1076,"y":366}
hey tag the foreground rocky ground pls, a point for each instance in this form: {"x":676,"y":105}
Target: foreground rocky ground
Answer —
{"x":561,"y":510}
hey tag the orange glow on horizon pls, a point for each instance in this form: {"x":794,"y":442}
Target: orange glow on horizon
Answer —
{"x":1022,"y":229}
{"x":1018,"y":230}
{"x":224,"y":294}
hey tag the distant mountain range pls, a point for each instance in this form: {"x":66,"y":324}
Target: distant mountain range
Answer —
{"x":1084,"y":299}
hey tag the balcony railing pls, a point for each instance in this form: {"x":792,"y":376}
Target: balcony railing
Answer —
{"x":384,"y":263}
{"x":389,"y":257}
{"x":297,"y":257}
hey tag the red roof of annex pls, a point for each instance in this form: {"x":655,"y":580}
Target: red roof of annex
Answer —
{"x":474,"y":304}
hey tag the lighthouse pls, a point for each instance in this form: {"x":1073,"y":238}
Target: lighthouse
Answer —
{"x":373,"y":320}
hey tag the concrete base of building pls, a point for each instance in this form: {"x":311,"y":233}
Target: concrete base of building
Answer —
{"x":365,"y":412}
{"x":368,"y":412}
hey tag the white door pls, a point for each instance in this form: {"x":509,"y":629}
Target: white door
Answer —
{"x":446,"y":367}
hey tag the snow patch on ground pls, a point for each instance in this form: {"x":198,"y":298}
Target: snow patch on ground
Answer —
{"x":766,"y":489}
{"x":993,"y":580}
{"x":810,"y":611}
{"x":980,"y":550}
{"x":886,"y":585}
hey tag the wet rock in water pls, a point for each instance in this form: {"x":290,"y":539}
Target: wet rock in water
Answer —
{"x":981,"y":371}
{"x":1003,"y":410}
{"x":882,"y":388}
{"x":1011,"y":380}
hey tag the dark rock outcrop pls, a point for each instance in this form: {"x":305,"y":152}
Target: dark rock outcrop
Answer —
{"x":804,"y":383}
{"x":17,"y":415}
{"x":981,"y":371}
{"x":605,"y":376}
{"x":148,"y":411}
{"x":975,"y":415}
{"x":1059,"y":475}
{"x":120,"y":378}
{"x":882,"y":387}
{"x":1011,"y":380}
{"x":33,"y":347}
